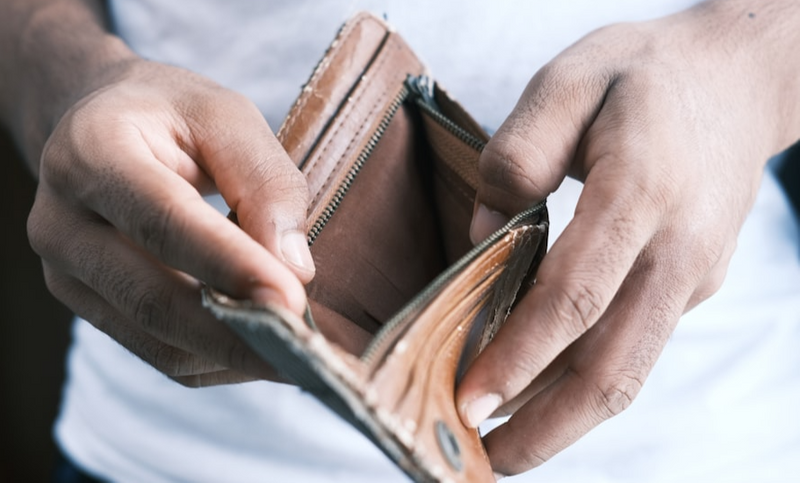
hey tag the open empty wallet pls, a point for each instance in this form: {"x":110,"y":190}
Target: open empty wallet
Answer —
{"x":392,"y":166}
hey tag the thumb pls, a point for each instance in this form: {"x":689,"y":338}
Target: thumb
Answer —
{"x":259,"y":182}
{"x":532,"y":151}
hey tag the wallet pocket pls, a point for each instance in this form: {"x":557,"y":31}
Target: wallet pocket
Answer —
{"x":401,"y":213}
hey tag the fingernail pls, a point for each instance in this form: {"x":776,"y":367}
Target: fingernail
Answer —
{"x":498,"y":476}
{"x":478,"y":410}
{"x":485,"y":222}
{"x":294,"y":248}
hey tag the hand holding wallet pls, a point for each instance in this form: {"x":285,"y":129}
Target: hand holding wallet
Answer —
{"x":392,"y":166}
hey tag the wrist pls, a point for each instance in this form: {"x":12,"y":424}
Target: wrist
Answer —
{"x":60,"y":54}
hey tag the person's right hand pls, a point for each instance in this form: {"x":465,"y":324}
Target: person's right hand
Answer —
{"x":126,"y":237}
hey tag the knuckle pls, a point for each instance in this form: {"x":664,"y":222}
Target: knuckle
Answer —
{"x":614,"y":393}
{"x":518,"y":371}
{"x":57,"y":284}
{"x":708,"y":248}
{"x":704,"y":291}
{"x":54,"y":163}
{"x":154,"y":228}
{"x":52,"y":281}
{"x":574,"y":77}
{"x":704,"y":255}
{"x":710,"y":284}
{"x":152,"y":310}
{"x":507,"y":164}
{"x":535,"y":457}
{"x":168,"y":360}
{"x":633,"y":190}
{"x":218,"y":97}
{"x":559,"y":76}
{"x":279,"y":191}
{"x":71,"y":151}
{"x":50,"y":229}
{"x":281,"y":179}
{"x":39,"y":230}
{"x":579,"y":305}
{"x":640,"y":80}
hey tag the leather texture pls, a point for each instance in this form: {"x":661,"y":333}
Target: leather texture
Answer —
{"x":392,"y":170}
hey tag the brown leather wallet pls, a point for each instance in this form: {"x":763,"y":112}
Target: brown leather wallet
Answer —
{"x":392,"y":166}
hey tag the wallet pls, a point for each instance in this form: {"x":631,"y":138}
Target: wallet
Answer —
{"x":392,"y":166}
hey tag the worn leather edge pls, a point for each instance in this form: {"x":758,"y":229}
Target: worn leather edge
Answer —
{"x":343,"y":64}
{"x":306,"y":358}
{"x":342,"y":381}
{"x":359,"y":116}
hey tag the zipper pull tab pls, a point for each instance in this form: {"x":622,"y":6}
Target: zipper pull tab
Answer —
{"x":421,"y":88}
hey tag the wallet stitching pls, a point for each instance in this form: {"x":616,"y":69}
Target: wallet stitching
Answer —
{"x":367,"y":120}
{"x":325,"y":63}
{"x":352,"y":102}
{"x":347,"y":149}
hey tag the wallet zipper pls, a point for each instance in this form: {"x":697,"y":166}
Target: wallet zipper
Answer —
{"x":362,"y":158}
{"x":420,"y":88}
{"x":422,"y":91}
{"x":399,"y":322}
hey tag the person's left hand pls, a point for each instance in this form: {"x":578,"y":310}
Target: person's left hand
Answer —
{"x":668,"y":123}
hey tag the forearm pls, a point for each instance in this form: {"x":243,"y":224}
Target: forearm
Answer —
{"x":53,"y":52}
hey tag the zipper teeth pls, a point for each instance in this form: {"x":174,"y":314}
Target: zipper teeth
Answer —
{"x":422,"y":299}
{"x":468,"y":138}
{"x":350,"y":177}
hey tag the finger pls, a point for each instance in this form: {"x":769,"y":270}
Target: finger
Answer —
{"x":619,"y":212}
{"x":547,"y":377}
{"x":170,"y":154}
{"x":255,"y":176}
{"x":217,"y":378}
{"x":606,"y":370}
{"x":709,"y":285}
{"x":575,"y":284}
{"x":158,"y":210}
{"x":529,"y":155}
{"x":180,"y":366}
{"x":85,"y":303}
{"x":151,"y":297}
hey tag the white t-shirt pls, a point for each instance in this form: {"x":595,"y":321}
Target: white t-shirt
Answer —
{"x":721,"y":404}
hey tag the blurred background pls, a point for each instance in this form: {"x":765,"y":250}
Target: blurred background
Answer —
{"x":34,"y":334}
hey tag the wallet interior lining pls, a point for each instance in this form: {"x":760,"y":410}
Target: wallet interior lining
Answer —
{"x":404,"y":220}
